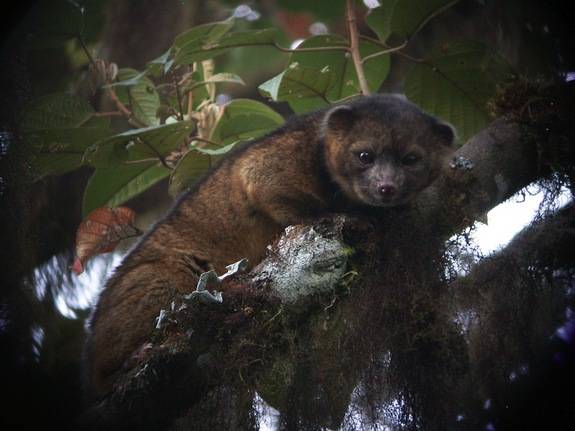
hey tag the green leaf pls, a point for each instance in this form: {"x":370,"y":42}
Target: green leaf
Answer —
{"x":142,"y":95}
{"x":114,"y":186}
{"x":137,"y":144}
{"x":128,"y":78}
{"x":202,"y":89}
{"x":245,"y":119}
{"x":456,"y":83}
{"x":189,"y":168}
{"x":379,"y":19}
{"x":303,"y":87}
{"x":220,"y":78}
{"x":56,"y":111}
{"x":204,"y":33}
{"x":341,"y":66}
{"x":57,"y":151}
{"x":204,"y":48}
{"x":409,"y":16}
{"x":218,"y":151}
{"x":160,"y":65}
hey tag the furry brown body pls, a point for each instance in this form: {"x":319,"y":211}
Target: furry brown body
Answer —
{"x":375,"y":151}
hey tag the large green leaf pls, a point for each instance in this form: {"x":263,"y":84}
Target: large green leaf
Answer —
{"x":379,"y":19}
{"x":57,"y":151}
{"x":340,"y":64}
{"x":189,"y":41}
{"x":456,"y":83}
{"x":56,"y":111}
{"x":114,"y":186}
{"x":188,"y":169}
{"x":409,"y":16}
{"x":303,"y":87}
{"x":404,"y":18}
{"x":205,"y":33}
{"x":245,"y":119}
{"x":137,"y":90}
{"x":137,"y":144}
{"x":203,"y":48}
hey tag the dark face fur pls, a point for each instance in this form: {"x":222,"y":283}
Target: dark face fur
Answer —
{"x":383,"y":150}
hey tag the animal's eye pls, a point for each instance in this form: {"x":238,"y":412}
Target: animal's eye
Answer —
{"x":365,"y":157}
{"x":410,"y":159}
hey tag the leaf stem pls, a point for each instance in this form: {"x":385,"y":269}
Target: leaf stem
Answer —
{"x":140,"y":161}
{"x":157,"y":153}
{"x":179,"y":98}
{"x":205,"y":140}
{"x":108,"y":114}
{"x":354,"y":47}
{"x":314,"y":49}
{"x":385,"y":51}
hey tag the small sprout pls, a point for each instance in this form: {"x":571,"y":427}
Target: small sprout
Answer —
{"x":111,"y":72}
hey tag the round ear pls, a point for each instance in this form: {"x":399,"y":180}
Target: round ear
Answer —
{"x":340,"y":119}
{"x":446,"y":132}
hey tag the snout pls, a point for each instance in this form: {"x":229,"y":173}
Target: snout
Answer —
{"x":387,"y":191}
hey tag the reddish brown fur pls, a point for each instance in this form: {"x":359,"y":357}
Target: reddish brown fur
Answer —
{"x":298,"y":172}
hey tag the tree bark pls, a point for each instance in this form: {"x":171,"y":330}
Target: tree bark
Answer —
{"x":306,"y":351}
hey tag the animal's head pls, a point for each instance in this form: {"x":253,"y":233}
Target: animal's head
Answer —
{"x":383,"y":150}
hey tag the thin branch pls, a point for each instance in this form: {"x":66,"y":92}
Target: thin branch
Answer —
{"x":179,"y":98}
{"x":121,"y":107}
{"x":386,"y":51}
{"x":190,"y":104}
{"x":207,"y":141}
{"x":157,"y":153}
{"x":354,"y":47}
{"x":86,"y":50}
{"x":108,"y":114}
{"x":140,"y":161}
{"x":315,"y":49}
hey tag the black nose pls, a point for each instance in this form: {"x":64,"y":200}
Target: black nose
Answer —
{"x":387,"y":191}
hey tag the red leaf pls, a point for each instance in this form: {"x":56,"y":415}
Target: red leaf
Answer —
{"x":101,"y":232}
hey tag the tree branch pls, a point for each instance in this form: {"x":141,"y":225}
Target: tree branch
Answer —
{"x":284,"y":310}
{"x":354,"y":47}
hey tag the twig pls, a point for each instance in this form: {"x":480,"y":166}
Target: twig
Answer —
{"x":157,"y":153}
{"x":179,"y":98}
{"x":108,"y":114}
{"x":315,"y":49}
{"x":386,"y":51}
{"x":354,"y":48}
{"x":140,"y":161}
{"x":121,"y":107}
{"x":207,"y":141}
